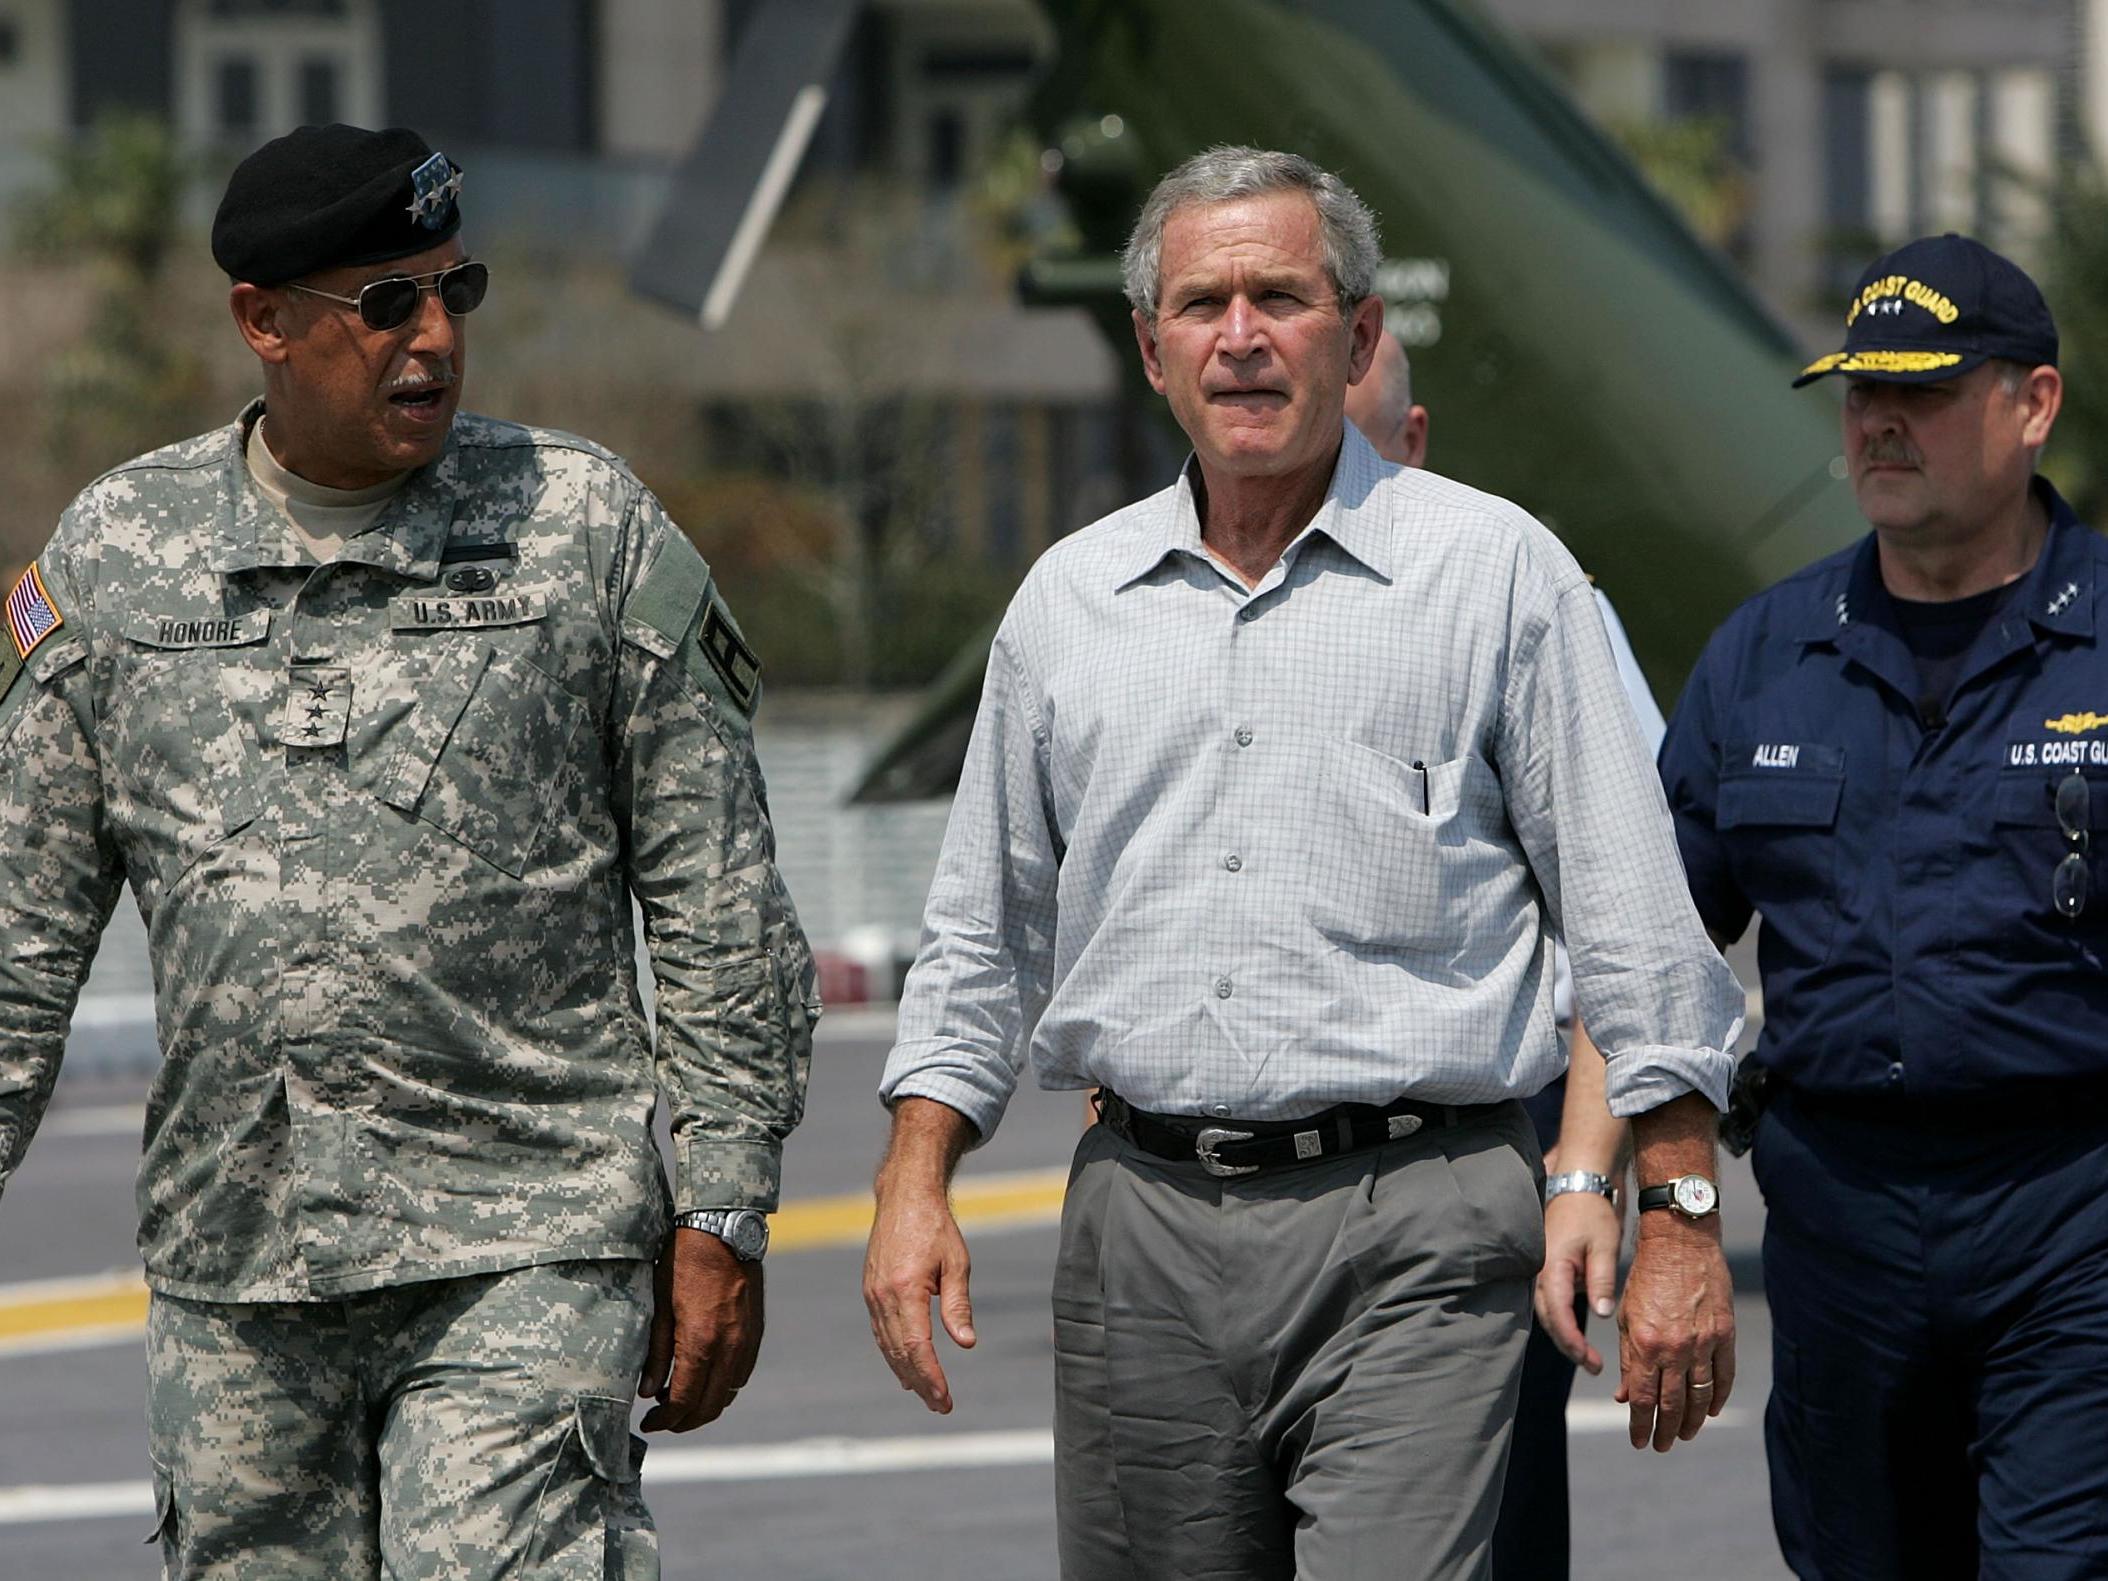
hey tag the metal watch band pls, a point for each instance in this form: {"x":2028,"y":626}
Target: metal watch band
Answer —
{"x":744,"y":1230}
{"x":1579,"y":1180}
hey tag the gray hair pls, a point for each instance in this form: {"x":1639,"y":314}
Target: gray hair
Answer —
{"x":2012,"y":374}
{"x":1226,"y":173}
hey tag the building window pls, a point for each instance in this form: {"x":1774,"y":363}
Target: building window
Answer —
{"x":245,"y":70}
{"x":318,"y":92}
{"x":234,"y":96}
{"x":10,"y":42}
{"x":1849,"y":134}
{"x":947,"y":165}
{"x":2021,"y":148}
{"x":1702,"y":85}
{"x":253,"y":8}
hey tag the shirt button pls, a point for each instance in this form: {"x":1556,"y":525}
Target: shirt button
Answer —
{"x":1222,"y":988}
{"x":1233,"y":862}
{"x":1244,"y":735}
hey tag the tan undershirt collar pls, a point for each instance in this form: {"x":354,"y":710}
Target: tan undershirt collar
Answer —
{"x":323,"y":517}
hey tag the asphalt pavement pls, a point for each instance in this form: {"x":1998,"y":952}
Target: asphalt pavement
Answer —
{"x":824,"y":1469}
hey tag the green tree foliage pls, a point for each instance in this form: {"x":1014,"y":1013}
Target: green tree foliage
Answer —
{"x":111,"y":211}
{"x":1691,"y":162}
{"x":830,"y":541}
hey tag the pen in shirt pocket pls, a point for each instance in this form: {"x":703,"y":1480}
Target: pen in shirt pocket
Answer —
{"x":1426,"y":805}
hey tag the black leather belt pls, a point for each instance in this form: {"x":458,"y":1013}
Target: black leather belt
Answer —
{"x":1242,"y":1147}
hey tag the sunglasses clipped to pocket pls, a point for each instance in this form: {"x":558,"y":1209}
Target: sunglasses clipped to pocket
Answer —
{"x":388,"y":303}
{"x":2068,"y":882}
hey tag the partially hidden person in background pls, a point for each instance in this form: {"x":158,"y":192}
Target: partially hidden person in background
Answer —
{"x":1532,"y":1539}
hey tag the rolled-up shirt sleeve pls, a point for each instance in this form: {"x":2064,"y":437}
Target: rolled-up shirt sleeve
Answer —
{"x":984,"y":971}
{"x":1588,"y":807}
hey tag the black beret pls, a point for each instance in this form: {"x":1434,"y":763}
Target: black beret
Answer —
{"x":326,"y":197}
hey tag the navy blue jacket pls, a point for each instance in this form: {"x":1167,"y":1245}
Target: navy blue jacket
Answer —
{"x":1904,"y":873}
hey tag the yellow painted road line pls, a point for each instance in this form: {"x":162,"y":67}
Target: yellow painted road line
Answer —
{"x":63,"y":1314}
{"x":69,"y":1314}
{"x":982,"y":1202}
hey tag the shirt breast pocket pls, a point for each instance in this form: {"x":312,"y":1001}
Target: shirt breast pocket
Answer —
{"x":1779,"y":824}
{"x":1395,"y":848}
{"x":2034,"y":845}
{"x":177,"y":762}
{"x":486,"y":757}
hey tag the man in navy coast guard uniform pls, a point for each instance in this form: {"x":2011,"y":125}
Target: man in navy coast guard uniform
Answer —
{"x":1899,"y":758}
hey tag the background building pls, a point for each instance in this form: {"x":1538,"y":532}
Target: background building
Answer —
{"x":1855,"y":123}
{"x":882,"y":436}
{"x":1843,"y":122}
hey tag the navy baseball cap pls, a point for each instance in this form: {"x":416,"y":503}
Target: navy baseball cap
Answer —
{"x":1935,"y":308}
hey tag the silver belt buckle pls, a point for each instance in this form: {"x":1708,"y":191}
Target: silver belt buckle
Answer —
{"x":1213,"y":1136}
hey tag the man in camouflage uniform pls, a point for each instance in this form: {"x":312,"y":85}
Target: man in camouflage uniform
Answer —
{"x":384,"y":803}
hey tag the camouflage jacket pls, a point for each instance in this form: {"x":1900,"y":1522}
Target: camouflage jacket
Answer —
{"x":383,"y":819}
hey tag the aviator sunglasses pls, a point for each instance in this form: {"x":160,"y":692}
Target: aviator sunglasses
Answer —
{"x":387,"y":303}
{"x":2068,"y":884}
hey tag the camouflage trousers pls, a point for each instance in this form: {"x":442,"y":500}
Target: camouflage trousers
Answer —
{"x":460,"y":1428}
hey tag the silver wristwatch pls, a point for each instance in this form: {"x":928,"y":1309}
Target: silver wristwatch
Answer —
{"x":1580,"y":1180}
{"x":745,"y":1230}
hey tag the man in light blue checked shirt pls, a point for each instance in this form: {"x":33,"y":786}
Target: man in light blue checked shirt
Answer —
{"x":1282,"y":784}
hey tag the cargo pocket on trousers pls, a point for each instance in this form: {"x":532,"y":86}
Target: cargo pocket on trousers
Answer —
{"x":797,"y":977}
{"x":591,"y":1523}
{"x":164,"y":1531}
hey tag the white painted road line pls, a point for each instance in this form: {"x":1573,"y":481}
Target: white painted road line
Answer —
{"x":96,"y":1012}
{"x":105,"y":1119}
{"x":1607,"y":1416}
{"x":848,"y":1457}
{"x":83,"y":1501}
{"x":664,"y":1467}
{"x":667,"y":1466}
{"x":85,"y":1336}
{"x":101,"y":1012}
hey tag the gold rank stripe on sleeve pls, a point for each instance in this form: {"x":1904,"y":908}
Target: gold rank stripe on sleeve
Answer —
{"x":1883,"y":362}
{"x":31,"y":615}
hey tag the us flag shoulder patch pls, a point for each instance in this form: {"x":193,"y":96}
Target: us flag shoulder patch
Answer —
{"x":31,"y":615}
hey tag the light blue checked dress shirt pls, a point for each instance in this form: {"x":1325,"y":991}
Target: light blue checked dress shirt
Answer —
{"x":1253,"y":852}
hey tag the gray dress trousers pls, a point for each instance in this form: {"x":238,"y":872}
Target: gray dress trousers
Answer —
{"x":1308,"y":1372}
